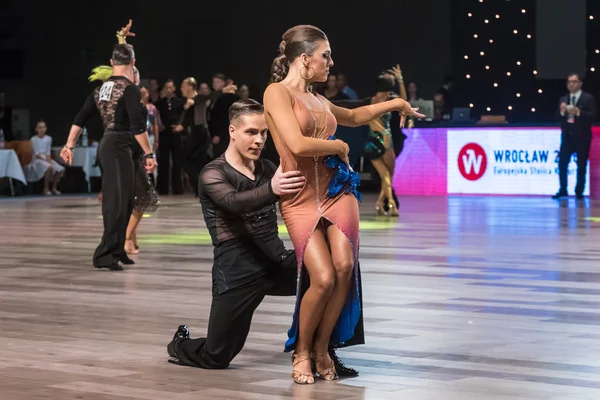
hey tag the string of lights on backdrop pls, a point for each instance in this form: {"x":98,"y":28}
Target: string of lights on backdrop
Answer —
{"x":593,"y":45}
{"x":494,"y":53}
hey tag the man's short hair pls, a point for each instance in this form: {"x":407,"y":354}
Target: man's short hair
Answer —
{"x":192,"y":82}
{"x":220,"y":76}
{"x":123,"y":54}
{"x":575,"y":74}
{"x":244,"y":107}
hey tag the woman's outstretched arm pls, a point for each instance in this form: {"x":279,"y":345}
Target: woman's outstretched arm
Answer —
{"x":362,"y":115}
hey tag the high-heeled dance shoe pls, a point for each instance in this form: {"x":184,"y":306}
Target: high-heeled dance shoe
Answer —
{"x":393,"y":210}
{"x":183,"y":332}
{"x":329,"y":373}
{"x":301,"y":378}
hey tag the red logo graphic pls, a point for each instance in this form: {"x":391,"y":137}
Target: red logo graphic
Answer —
{"x":472,"y":161}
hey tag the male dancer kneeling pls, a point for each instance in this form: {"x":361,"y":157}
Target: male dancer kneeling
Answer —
{"x":238,"y":192}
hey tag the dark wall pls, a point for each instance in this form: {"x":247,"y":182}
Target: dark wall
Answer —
{"x":181,"y":38}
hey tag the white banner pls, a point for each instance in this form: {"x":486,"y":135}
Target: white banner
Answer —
{"x":507,"y":161}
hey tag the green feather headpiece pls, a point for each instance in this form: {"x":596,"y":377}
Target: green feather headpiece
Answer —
{"x":101,"y":73}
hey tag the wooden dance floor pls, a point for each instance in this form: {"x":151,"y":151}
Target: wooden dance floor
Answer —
{"x":492,"y":298}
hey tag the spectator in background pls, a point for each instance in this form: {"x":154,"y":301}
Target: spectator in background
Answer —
{"x":170,"y":109}
{"x":243,"y":93}
{"x":342,"y":84}
{"x":154,"y":90}
{"x":446,"y":90}
{"x":195,"y":138}
{"x":6,"y":119}
{"x":153,"y":122}
{"x":218,"y":113}
{"x":440,"y":108}
{"x":413,"y":92}
{"x":332,"y":91}
{"x":42,"y":164}
{"x":204,"y":89}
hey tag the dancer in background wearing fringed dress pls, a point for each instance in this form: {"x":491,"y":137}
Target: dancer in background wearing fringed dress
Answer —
{"x":145,"y":197}
{"x":322,"y":219}
{"x":379,"y":147}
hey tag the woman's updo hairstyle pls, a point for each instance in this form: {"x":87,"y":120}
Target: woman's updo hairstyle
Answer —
{"x":296,"y":41}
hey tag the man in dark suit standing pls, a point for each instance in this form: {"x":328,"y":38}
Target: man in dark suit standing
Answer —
{"x":170,"y":109}
{"x":217,"y":115}
{"x":576,"y":112}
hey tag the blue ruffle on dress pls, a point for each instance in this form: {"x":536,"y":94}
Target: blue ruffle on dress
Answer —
{"x":345,"y":177}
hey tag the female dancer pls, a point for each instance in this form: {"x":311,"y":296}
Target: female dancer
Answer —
{"x":145,"y":196}
{"x":380,"y":150}
{"x":323,"y":229}
{"x":379,"y":147}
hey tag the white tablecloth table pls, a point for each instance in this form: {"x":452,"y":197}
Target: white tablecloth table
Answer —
{"x":84,"y":157}
{"x":11,"y":168}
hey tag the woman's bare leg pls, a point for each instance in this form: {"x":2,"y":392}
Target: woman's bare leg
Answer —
{"x":343,"y":263}
{"x":386,"y":184}
{"x":389,"y":159}
{"x":318,"y":263}
{"x":134,"y":221}
{"x":379,"y":166}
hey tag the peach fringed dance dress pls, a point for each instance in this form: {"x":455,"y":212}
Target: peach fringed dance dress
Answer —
{"x":304,"y":211}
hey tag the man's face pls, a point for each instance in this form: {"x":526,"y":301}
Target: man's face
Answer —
{"x":248,"y":135}
{"x":153,"y":85}
{"x":218,"y":84}
{"x":169,"y":89}
{"x":204,"y":89}
{"x":574,"y":83}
